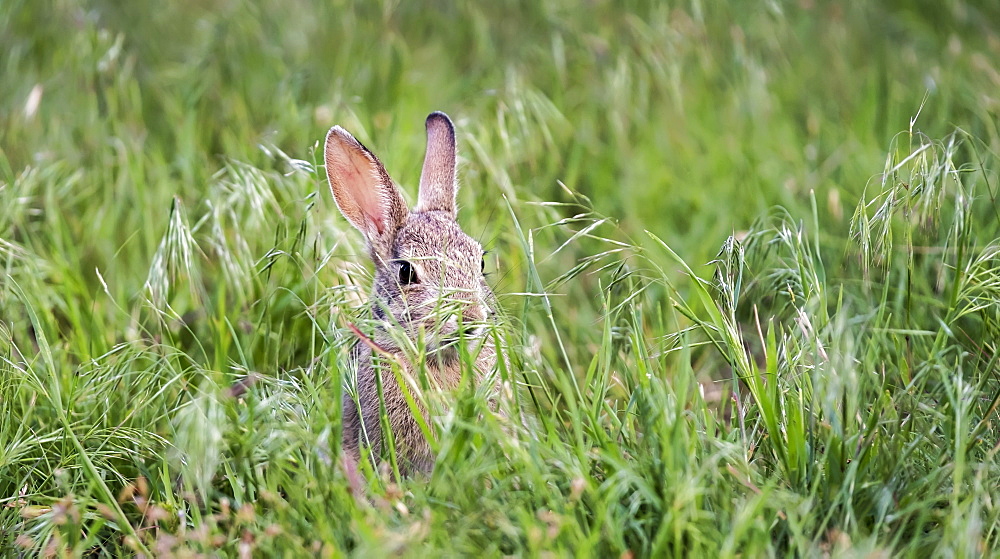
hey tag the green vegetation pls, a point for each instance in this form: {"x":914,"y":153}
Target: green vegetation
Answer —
{"x":749,"y":255}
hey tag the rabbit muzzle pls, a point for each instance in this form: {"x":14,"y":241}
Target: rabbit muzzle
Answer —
{"x":466,"y":317}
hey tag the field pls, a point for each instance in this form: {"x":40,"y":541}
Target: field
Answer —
{"x":748,"y":256}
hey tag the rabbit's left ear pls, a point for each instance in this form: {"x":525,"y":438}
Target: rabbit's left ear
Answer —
{"x":437,"y":179}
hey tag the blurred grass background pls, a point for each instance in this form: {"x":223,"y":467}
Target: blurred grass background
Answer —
{"x":681,"y":106}
{"x":165,"y":230}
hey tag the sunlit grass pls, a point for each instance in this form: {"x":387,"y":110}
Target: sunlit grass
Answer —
{"x":748,"y":259}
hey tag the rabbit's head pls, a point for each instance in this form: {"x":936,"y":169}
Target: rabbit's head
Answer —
{"x":428,"y":273}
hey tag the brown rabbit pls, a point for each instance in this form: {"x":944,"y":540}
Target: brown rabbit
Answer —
{"x":428,"y":284}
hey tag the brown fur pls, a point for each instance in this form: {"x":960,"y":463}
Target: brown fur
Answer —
{"x":450,"y":291}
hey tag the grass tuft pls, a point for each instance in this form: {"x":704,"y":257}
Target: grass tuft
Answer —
{"x":744,"y":314}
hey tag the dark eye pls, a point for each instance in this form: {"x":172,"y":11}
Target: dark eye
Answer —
{"x":407,"y":274}
{"x":484,"y":266}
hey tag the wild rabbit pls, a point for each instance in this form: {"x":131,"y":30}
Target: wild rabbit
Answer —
{"x":428,"y":284}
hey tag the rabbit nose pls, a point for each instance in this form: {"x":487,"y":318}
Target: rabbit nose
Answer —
{"x":474,"y":313}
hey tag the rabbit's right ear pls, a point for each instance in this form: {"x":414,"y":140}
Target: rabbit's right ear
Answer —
{"x":437,"y":179}
{"x":363,"y":190}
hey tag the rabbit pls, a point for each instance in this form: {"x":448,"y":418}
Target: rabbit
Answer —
{"x":424,"y":265}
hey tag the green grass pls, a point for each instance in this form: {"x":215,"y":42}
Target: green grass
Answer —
{"x":749,"y":257}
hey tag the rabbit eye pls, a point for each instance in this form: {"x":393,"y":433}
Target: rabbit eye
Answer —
{"x":407,"y":274}
{"x":483,"y":269}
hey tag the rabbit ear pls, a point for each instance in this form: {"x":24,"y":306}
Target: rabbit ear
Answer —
{"x":363,"y":190}
{"x":437,"y":179}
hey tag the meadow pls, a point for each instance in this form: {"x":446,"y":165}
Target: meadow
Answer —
{"x":748,"y":256}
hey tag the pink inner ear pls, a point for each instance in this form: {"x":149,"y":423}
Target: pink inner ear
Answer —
{"x":360,"y":186}
{"x":377,"y":222}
